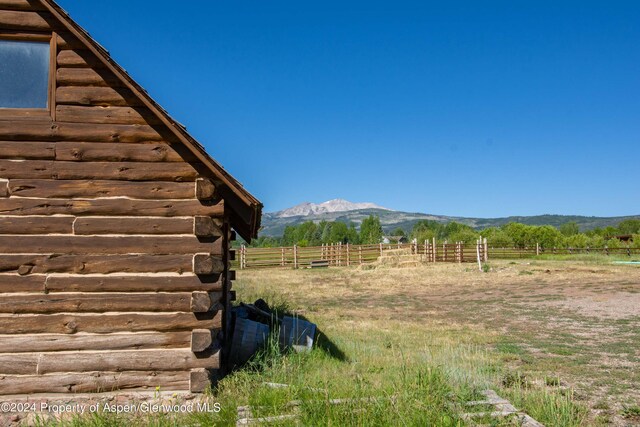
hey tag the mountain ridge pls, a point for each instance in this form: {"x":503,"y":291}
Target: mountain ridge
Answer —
{"x":274,"y":223}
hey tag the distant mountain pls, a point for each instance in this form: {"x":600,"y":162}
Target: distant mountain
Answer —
{"x":273,"y":224}
{"x":330,"y":206}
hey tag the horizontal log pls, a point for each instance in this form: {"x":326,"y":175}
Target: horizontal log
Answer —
{"x":205,"y":189}
{"x":17,"y":283}
{"x":133,"y":283}
{"x":129,"y":171}
{"x":104,"y":115}
{"x":97,"y":302}
{"x":201,"y":340}
{"x":21,"y":20}
{"x":130,"y":225}
{"x":20,"y":363}
{"x":96,"y":264}
{"x":20,"y":5}
{"x":89,"y":188}
{"x":205,"y":226}
{"x":106,"y":245}
{"x":27,"y":150}
{"x":79,"y":342}
{"x":107,"y":207}
{"x":103,"y":96}
{"x":104,"y":323}
{"x":86,"y":77}
{"x":121,"y":152}
{"x":36,"y":225}
{"x":78,"y":59}
{"x":124,"y":360}
{"x":203,"y":302}
{"x":199,"y":380}
{"x":90,"y":382}
{"x":83,"y":132}
{"x":207,"y":264}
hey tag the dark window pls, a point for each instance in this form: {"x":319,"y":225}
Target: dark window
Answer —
{"x":24,"y":74}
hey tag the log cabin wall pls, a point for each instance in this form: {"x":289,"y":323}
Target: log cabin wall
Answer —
{"x":114,"y":241}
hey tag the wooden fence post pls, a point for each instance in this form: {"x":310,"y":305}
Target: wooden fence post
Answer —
{"x":295,"y":256}
{"x":360,"y":253}
{"x":242,"y":247}
{"x":348,"y":257}
{"x":380,"y":248}
{"x":444,"y":251}
{"x":537,"y":248}
{"x":478,"y":254}
{"x":486,"y":250}
{"x":461,"y":252}
{"x":433,"y":249}
{"x":282,"y":257}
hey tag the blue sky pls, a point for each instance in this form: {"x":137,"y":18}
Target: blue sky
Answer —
{"x":476,"y":108}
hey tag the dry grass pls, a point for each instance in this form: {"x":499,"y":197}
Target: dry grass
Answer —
{"x":567,"y":325}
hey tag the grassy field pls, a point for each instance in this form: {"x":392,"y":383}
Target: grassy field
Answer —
{"x":559,"y":339}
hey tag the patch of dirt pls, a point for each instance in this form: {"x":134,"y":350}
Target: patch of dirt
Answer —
{"x":618,"y":305}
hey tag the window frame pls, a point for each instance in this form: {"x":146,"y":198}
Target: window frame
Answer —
{"x":35,"y":113}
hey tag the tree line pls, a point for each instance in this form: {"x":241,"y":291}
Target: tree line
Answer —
{"x":513,"y":234}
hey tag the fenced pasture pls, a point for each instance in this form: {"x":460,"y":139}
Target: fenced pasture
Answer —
{"x":426,"y":252}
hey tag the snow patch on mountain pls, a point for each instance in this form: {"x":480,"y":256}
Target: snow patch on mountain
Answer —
{"x":335,"y":205}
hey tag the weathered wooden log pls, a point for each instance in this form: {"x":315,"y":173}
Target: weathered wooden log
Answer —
{"x":131,"y":225}
{"x":105,"y":323}
{"x":103,"y":115}
{"x":27,"y":150}
{"x":20,"y":364}
{"x":129,"y":171}
{"x":132,"y":283}
{"x":100,"y":302}
{"x":199,"y":380}
{"x":99,"y":188}
{"x":204,"y":226}
{"x":124,"y":360}
{"x":20,"y":5}
{"x":203,"y":302}
{"x":207,"y":264}
{"x":4,"y":187}
{"x":83,"y":132}
{"x":82,"y":341}
{"x":20,"y":20}
{"x":107,"y":245}
{"x":85,"y":77}
{"x":102,"y":96}
{"x":121,"y":152}
{"x":17,"y":283}
{"x":205,"y":189}
{"x":36,"y":224}
{"x":201,"y":340}
{"x":90,"y":382}
{"x":97,"y":264}
{"x":78,"y":59}
{"x":108,"y":207}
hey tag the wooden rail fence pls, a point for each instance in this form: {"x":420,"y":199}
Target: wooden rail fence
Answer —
{"x":428,"y":251}
{"x":348,"y":255}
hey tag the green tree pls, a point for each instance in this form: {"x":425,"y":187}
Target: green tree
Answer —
{"x":399,"y":232}
{"x":371,"y":230}
{"x":629,"y":226}
{"x":569,"y":228}
{"x":497,"y":237}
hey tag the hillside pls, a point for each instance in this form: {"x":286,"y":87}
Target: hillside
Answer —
{"x":273,"y":224}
